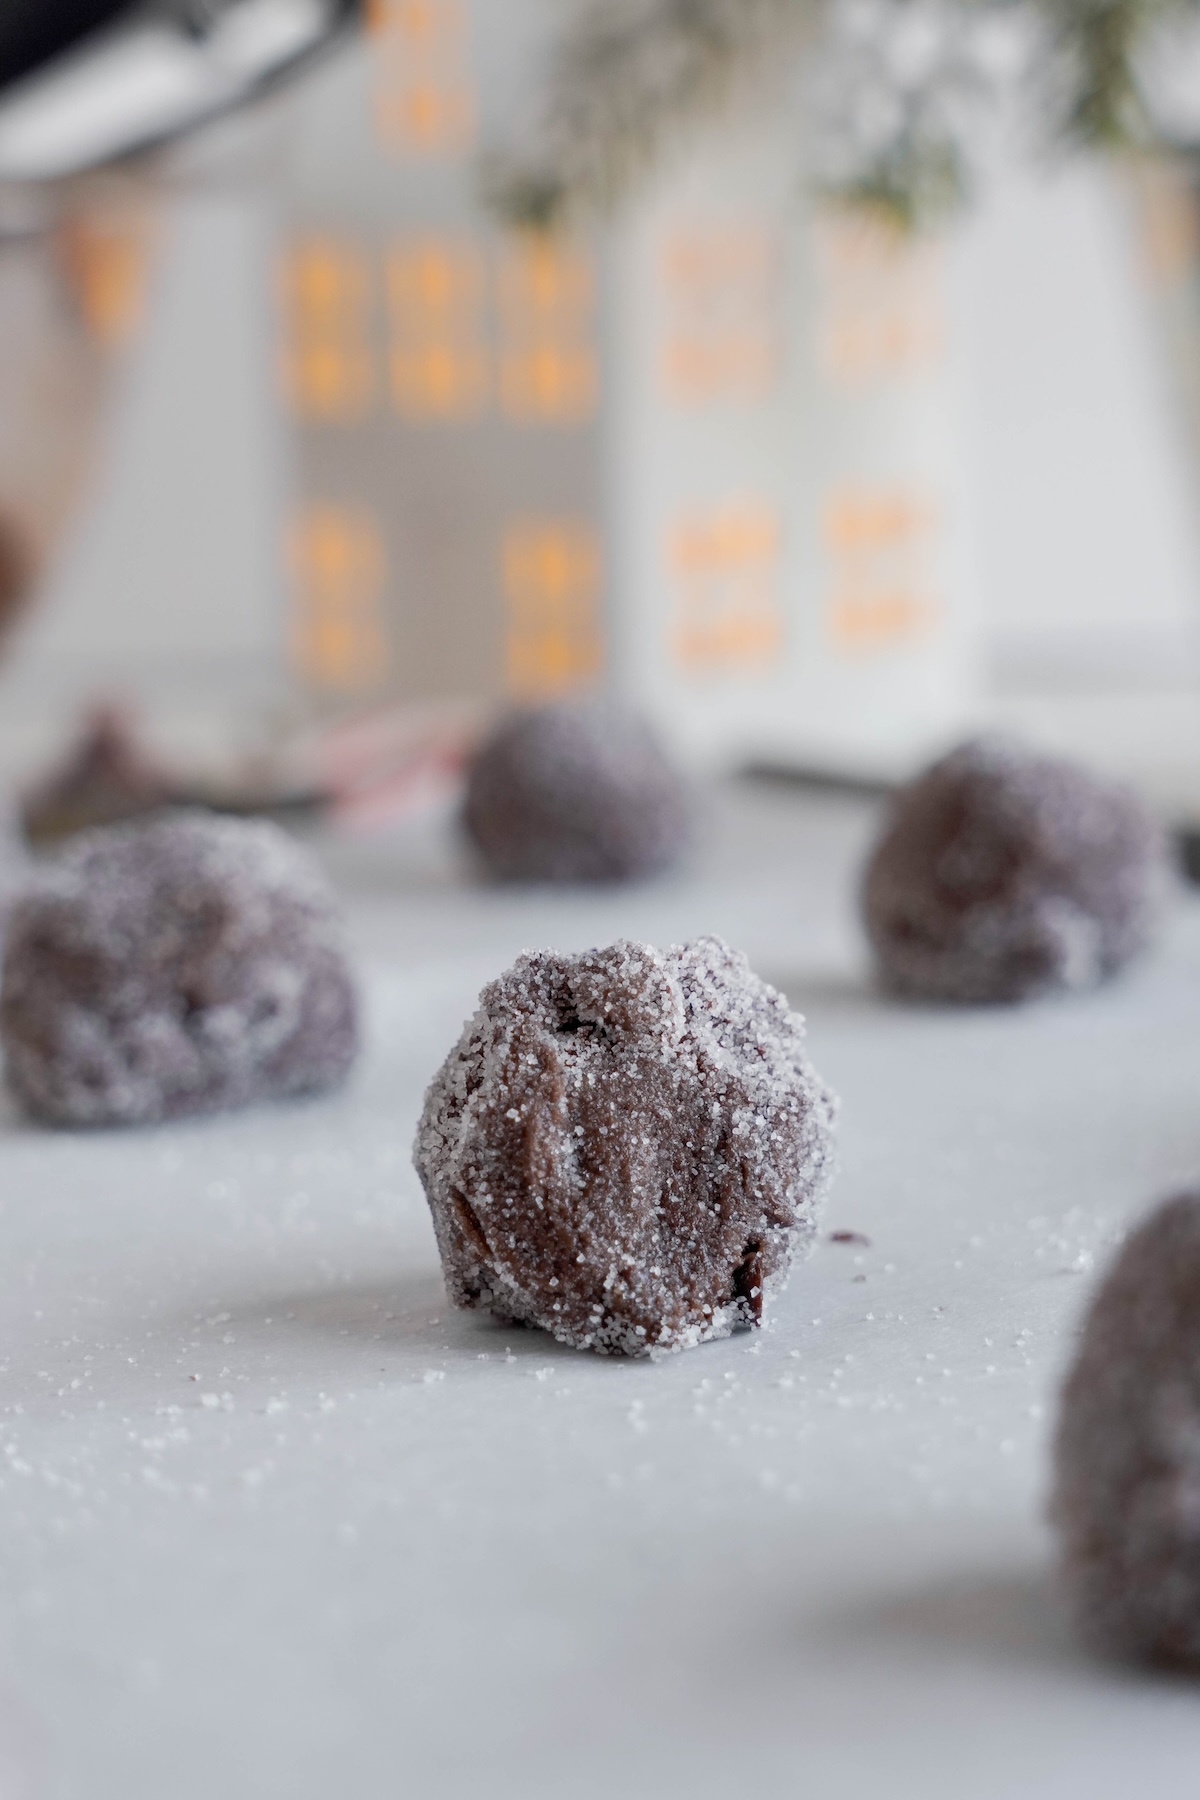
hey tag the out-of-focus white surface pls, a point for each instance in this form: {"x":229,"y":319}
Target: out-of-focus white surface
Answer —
{"x":1084,"y":479}
{"x":275,"y":1522}
{"x":170,"y":588}
{"x":1085,"y":495}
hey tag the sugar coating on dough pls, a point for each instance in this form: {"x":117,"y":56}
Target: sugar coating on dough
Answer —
{"x":574,"y":791}
{"x":174,"y":966}
{"x":1001,"y":875}
{"x":627,"y":1147}
{"x":1127,"y":1456}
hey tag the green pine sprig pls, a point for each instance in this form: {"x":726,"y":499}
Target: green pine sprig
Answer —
{"x":630,"y":76}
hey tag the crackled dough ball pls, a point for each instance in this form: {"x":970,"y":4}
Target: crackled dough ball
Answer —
{"x":1001,"y":875}
{"x":1127,"y":1489}
{"x":576,"y":791}
{"x":627,"y":1147}
{"x":176,"y":966}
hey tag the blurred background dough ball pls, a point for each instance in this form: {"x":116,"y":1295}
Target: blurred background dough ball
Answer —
{"x":105,"y":778}
{"x":1127,"y":1488}
{"x":1002,"y":874}
{"x":179,"y":965}
{"x":16,"y":575}
{"x":575,"y":791}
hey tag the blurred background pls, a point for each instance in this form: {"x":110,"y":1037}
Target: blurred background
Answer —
{"x":310,"y":456}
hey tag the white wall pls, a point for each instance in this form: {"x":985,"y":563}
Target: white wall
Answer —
{"x":169,"y":589}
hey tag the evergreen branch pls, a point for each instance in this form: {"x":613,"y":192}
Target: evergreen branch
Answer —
{"x":630,"y":75}
{"x":913,"y":187}
{"x":896,"y":99}
{"x":1094,"y":47}
{"x":627,"y":77}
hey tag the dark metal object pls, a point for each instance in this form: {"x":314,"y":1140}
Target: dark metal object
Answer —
{"x":34,"y":32}
{"x":828,"y":781}
{"x":84,"y":83}
{"x":1187,"y":851}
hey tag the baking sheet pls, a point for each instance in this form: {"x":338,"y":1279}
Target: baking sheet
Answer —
{"x":275,"y":1522}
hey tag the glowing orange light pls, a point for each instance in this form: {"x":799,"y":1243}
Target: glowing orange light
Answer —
{"x":438,"y":360}
{"x":880,"y":543}
{"x":881,"y":309}
{"x":327,"y":364}
{"x":425,"y":103}
{"x":548,"y":368}
{"x":552,"y":576}
{"x":337,"y":564}
{"x":725,"y":564}
{"x":721,"y":340}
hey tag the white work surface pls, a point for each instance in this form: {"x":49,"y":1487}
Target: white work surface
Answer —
{"x":275,"y":1522}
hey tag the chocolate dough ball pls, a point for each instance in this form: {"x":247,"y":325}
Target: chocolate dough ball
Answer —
{"x":627,"y":1147}
{"x":16,"y":575}
{"x":578,"y":791}
{"x":16,"y":865}
{"x":106,"y":778}
{"x":1127,"y":1491}
{"x":174,"y":966}
{"x":1001,"y":875}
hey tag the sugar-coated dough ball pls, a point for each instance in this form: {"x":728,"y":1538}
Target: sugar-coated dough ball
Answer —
{"x":174,"y":966}
{"x":16,"y":574}
{"x":105,"y":779}
{"x":16,"y":865}
{"x":576,"y":791}
{"x":1127,"y":1490}
{"x":1001,"y":875}
{"x":627,"y":1147}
